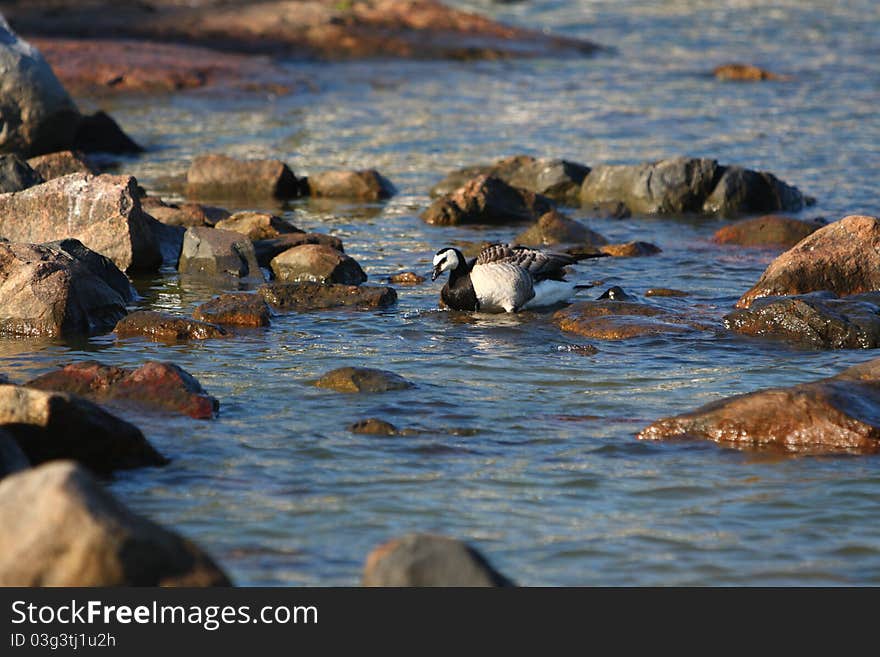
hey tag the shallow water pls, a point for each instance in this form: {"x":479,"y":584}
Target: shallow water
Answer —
{"x":528,"y":448}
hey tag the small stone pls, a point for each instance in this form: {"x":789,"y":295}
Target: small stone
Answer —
{"x":362,"y":379}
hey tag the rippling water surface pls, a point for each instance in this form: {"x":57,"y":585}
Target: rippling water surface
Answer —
{"x":528,"y":448}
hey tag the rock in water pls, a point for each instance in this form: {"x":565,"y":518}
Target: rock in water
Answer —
{"x":745,"y":72}
{"x":51,"y":425}
{"x":46,"y":290}
{"x":236,"y":309}
{"x":608,"y":319}
{"x":103,"y":212}
{"x":266,"y":250}
{"x":257,"y":225}
{"x":843,"y":257}
{"x":487,"y":200}
{"x":429,"y":560}
{"x":630,"y":249}
{"x":37,"y":114}
{"x":833,"y":415}
{"x":318,"y":263}
{"x":75,"y":533}
{"x":366,"y":185}
{"x":315,"y":296}
{"x":362,"y":379}
{"x":767,"y":231}
{"x":221,"y":176}
{"x":165,"y":327}
{"x":212,"y":252}
{"x":555,"y":228}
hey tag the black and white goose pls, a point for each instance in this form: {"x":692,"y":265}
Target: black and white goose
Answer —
{"x":503,"y":278}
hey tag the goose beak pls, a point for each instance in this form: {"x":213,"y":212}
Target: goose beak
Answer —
{"x":435,"y":272}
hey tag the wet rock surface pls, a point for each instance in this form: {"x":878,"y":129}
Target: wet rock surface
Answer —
{"x":46,"y":290}
{"x":745,"y":72}
{"x":487,"y":200}
{"x":166,"y":327}
{"x":630,"y":249}
{"x":209,"y":252}
{"x":154,"y":385}
{"x":50,"y":425}
{"x":832,"y":415}
{"x":555,"y":228}
{"x":103,"y":212}
{"x":843,"y":257}
{"x":317,"y":263}
{"x":610,"y":319}
{"x":406,"y":278}
{"x":75,"y":533}
{"x":218,"y":176}
{"x":374,"y":427}
{"x":269,"y":248}
{"x":429,"y":560}
{"x":362,"y":379}
{"x":364,"y":185}
{"x":315,"y":296}
{"x":235,"y":309}
{"x":767,"y":231}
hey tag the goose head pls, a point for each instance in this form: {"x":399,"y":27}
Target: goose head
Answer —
{"x":447,"y":259}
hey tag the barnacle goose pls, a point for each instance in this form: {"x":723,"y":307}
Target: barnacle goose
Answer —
{"x":504,"y":278}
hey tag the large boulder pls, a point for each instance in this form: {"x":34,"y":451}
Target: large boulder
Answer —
{"x":487,"y":200}
{"x":559,"y":180}
{"x":365,"y":185}
{"x":47,"y":290}
{"x":684,"y":185}
{"x":768,"y":231}
{"x":60,"y":163}
{"x":817,"y":319}
{"x":212,"y":252}
{"x":362,"y":379}
{"x":843,"y":257}
{"x":36,"y":114}
{"x":267,"y":249}
{"x":220,"y":176}
{"x":235,"y":309}
{"x":165,"y":327}
{"x":837,"y":414}
{"x":257,"y":225}
{"x":153,"y":385}
{"x":16,"y":174}
{"x":12,"y":459}
{"x":429,"y":560}
{"x":318,"y":263}
{"x":316,"y":296}
{"x":103,"y":212}
{"x":611,"y":319}
{"x":555,"y":228}
{"x":51,"y":425}
{"x":75,"y":533}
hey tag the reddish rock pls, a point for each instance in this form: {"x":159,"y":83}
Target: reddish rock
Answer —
{"x":833,"y":415}
{"x":555,"y":228}
{"x":236,"y":309}
{"x":103,"y":212}
{"x":257,"y":225}
{"x":429,"y":560}
{"x":62,"y":163}
{"x":218,"y":253}
{"x":315,"y":296}
{"x":745,"y":72}
{"x":366,"y":185}
{"x":630,"y":249}
{"x":268,"y":249}
{"x":183,"y":214}
{"x":221,"y":176}
{"x":487,"y":200}
{"x":665,"y":292}
{"x":770,"y":230}
{"x":407,"y":278}
{"x":154,"y":385}
{"x":166,"y":327}
{"x":75,"y":533}
{"x":843,"y":257}
{"x":608,"y":319}
{"x":50,"y":425}
{"x":318,"y":263}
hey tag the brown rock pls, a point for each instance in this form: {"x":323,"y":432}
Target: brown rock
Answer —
{"x":843,"y":257}
{"x":665,"y":292}
{"x":268,"y":249}
{"x":362,"y":379}
{"x":218,"y":253}
{"x":166,"y":327}
{"x":154,"y":385}
{"x":745,"y":72}
{"x":257,"y":225}
{"x":221,"y":176}
{"x":620,"y":320}
{"x":183,"y":214}
{"x":366,"y":185}
{"x":407,"y":278}
{"x":837,"y":414}
{"x":76,"y":534}
{"x":47,"y":290}
{"x":318,"y":263}
{"x":374,"y":427}
{"x":630,"y":249}
{"x":429,"y":560}
{"x":103,"y":212}
{"x":61,"y":163}
{"x":236,"y":309}
{"x":769,"y":230}
{"x":487,"y":200}
{"x":315,"y":296}
{"x":555,"y":228}
{"x":51,"y":425}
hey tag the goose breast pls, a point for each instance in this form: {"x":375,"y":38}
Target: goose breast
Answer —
{"x":501,"y":286}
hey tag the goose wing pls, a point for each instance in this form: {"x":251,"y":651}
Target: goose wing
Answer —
{"x":539,"y":264}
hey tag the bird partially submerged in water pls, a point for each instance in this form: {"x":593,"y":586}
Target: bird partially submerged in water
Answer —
{"x":504,"y":278}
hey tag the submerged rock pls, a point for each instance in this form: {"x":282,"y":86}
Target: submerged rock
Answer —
{"x":374,"y":427}
{"x":362,"y":379}
{"x":747,"y":72}
{"x":268,"y":249}
{"x":315,"y":296}
{"x":609,"y":319}
{"x":406,"y":278}
{"x":48,"y":290}
{"x":555,"y":228}
{"x":212,"y":252}
{"x":221,"y":176}
{"x":837,"y":414}
{"x":843,"y":257}
{"x":166,"y":327}
{"x":50,"y":425}
{"x":559,"y":180}
{"x":257,"y":225}
{"x":666,"y":292}
{"x":236,"y":309}
{"x":630,"y":249}
{"x":487,"y":200}
{"x":16,"y":174}
{"x":75,"y":533}
{"x":769,"y":230}
{"x":60,"y":163}
{"x":429,"y":560}
{"x":318,"y":263}
{"x":163,"y":386}
{"x":103,"y":212}
{"x":365,"y":185}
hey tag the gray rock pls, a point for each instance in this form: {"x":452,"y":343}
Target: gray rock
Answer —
{"x":16,"y":174}
{"x":212,"y":252}
{"x":318,"y":263}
